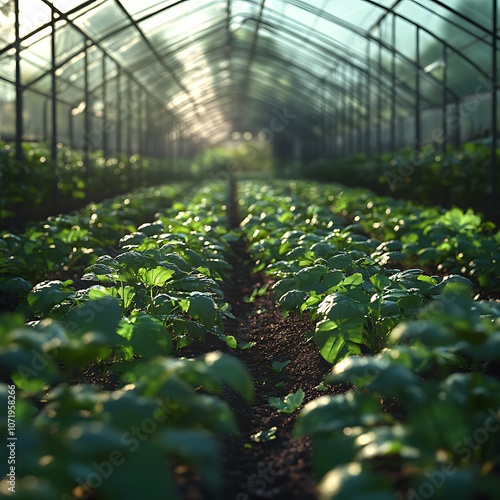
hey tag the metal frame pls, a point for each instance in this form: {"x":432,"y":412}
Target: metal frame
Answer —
{"x":356,"y":92}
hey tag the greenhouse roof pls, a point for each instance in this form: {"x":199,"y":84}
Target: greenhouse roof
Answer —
{"x":214,"y":67}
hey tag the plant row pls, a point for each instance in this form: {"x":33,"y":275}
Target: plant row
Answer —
{"x":450,"y":241}
{"x":35,"y":180}
{"x":414,"y":357}
{"x":151,"y":411}
{"x":72,"y":241}
{"x":460,"y":176}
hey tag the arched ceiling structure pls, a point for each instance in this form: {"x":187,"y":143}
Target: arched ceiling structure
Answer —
{"x":212,"y":67}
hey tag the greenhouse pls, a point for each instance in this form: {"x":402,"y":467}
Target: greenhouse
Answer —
{"x":249,"y":249}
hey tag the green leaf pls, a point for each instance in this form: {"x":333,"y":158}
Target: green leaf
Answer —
{"x":350,"y":481}
{"x":283,"y":286}
{"x":176,"y":260}
{"x":328,"y":414}
{"x":9,"y":321}
{"x":230,"y":371}
{"x":380,"y":281}
{"x":101,"y":315}
{"x":378,"y":374}
{"x":333,"y":341}
{"x":132,"y":240}
{"x":147,"y":335}
{"x":203,"y":307}
{"x":198,"y":448}
{"x":149,"y":459}
{"x":16,"y":286}
{"x":292,"y":299}
{"x":340,"y":261}
{"x":289,"y":404}
{"x":323,"y":250}
{"x":311,"y":275}
{"x":246,"y":345}
{"x":134,"y":261}
{"x":187,"y":327}
{"x":157,"y":276}
{"x":47,"y":336}
{"x":92,"y":439}
{"x":279,"y":366}
{"x":44,"y":296}
{"x":231,"y":341}
{"x":353,"y":281}
{"x":194,"y":258}
{"x":341,"y":309}
{"x":152,"y":228}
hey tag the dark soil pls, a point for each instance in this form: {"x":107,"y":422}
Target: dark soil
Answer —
{"x":279,"y":468}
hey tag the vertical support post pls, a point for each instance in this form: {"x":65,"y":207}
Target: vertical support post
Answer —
{"x":353,"y":111}
{"x":130,"y":118}
{"x":336,"y":128}
{"x":494,"y":101}
{"x":368,"y":99}
{"x":445,"y":99}
{"x":324,"y":120}
{"x":19,"y":86}
{"x":343,"y":86}
{"x":329,"y":89}
{"x":166,"y":141}
{"x":53,"y":139}
{"x":105,"y":151}
{"x":458,"y":138}
{"x":140,"y":122}
{"x":118,"y":112}
{"x":418,"y":126}
{"x":164,"y":138}
{"x":393,"y":82}
{"x":45,"y":117}
{"x":349,"y":113}
{"x":379,"y":101}
{"x":71,"y":128}
{"x":357,"y":90}
{"x":86,"y":137}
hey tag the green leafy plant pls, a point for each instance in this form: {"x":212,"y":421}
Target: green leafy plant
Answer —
{"x":289,"y":404}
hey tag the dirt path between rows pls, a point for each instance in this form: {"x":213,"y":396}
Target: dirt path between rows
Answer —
{"x":279,"y":468}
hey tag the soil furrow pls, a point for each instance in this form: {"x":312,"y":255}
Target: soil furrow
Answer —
{"x":279,"y":468}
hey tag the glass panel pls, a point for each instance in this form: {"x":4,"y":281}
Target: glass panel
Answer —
{"x":33,"y":14}
{"x":6,"y":22}
{"x":69,"y":42}
{"x":7,"y":111}
{"x":102,"y":20}
{"x":8,"y":66}
{"x":68,"y":5}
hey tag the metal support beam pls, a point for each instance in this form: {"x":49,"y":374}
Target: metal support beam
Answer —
{"x":53,"y":137}
{"x":445,"y":99}
{"x":359,"y":128}
{"x":105,"y":148}
{"x":130,"y":118}
{"x":71,"y":128}
{"x":368,"y":132}
{"x":345,"y":145}
{"x":19,"y":87}
{"x":118,"y":111}
{"x":494,"y":111}
{"x":140,"y":121}
{"x":418,"y":125}
{"x":251,"y":54}
{"x":379,"y":104}
{"x":87,"y":125}
{"x":394,"y":87}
